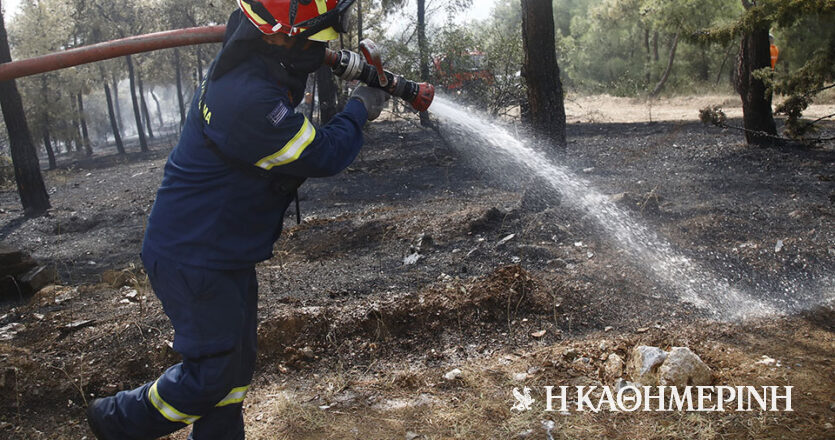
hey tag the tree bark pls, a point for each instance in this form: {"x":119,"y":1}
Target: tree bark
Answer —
{"x":648,"y":66}
{"x":137,"y":115}
{"x":179,"y":81}
{"x":756,"y":102}
{"x":145,"y":113}
{"x":327,"y":94}
{"x":117,"y":105}
{"x":359,"y":20}
{"x":114,"y":126}
{"x":159,"y":108}
{"x":27,"y":170}
{"x":655,"y":46}
{"x":423,"y":51}
{"x":541,"y":71}
{"x":47,"y":144}
{"x":668,"y":69}
{"x":199,"y":66}
{"x":85,"y":135}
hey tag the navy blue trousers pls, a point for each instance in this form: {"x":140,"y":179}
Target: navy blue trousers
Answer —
{"x":214,"y":314}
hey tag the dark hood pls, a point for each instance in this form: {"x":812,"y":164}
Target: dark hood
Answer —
{"x":289,"y":66}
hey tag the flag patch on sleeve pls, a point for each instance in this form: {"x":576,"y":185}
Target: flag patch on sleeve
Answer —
{"x":278,"y":114}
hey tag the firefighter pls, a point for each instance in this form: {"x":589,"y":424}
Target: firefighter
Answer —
{"x":226,"y":186}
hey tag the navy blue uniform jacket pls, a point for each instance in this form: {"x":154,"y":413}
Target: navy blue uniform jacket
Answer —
{"x":208,"y":214}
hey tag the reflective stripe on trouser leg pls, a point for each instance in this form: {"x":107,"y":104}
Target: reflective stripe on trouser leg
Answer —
{"x":237,"y":395}
{"x":168,"y":411}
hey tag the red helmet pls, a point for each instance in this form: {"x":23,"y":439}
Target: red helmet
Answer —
{"x":318,"y":20}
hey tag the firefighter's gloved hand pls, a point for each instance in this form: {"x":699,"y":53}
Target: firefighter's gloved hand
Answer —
{"x":372,"y":98}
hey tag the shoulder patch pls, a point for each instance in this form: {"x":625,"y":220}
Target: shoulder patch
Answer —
{"x":278,"y":114}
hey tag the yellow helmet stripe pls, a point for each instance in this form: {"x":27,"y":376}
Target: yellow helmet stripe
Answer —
{"x":322,"y":6}
{"x":251,"y":13}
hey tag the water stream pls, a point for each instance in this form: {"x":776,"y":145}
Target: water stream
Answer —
{"x":689,"y":281}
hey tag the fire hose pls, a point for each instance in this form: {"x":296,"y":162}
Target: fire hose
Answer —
{"x":345,"y":64}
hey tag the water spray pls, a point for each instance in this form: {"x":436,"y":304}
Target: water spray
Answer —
{"x":345,"y":64}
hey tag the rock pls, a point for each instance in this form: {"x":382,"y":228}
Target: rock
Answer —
{"x":38,"y":278}
{"x":539,"y":334}
{"x":622,"y":383}
{"x":413,"y":435}
{"x":505,"y":240}
{"x":608,"y":328}
{"x":412,"y":259}
{"x":683,"y":367}
{"x":10,"y":256}
{"x":570,"y":354}
{"x":613,"y":367}
{"x":525,"y":434}
{"x":779,"y":246}
{"x":117,"y":278}
{"x":77,"y":325}
{"x":520,"y":377}
{"x":452,"y":375}
{"x":8,"y":332}
{"x":644,"y":363}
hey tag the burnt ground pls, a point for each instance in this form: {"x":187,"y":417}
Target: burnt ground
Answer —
{"x":354,"y":340}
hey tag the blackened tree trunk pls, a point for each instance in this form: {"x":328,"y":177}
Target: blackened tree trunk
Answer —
{"x":146,"y":115}
{"x":47,"y":144}
{"x":178,"y":80}
{"x":85,"y":135}
{"x":199,"y":66}
{"x":137,"y":114}
{"x":117,"y":104}
{"x":27,"y":169}
{"x":327,"y":94}
{"x":114,"y":126}
{"x":159,"y":108}
{"x":423,"y":54}
{"x":541,"y":72}
{"x":359,"y":20}
{"x":757,"y":115}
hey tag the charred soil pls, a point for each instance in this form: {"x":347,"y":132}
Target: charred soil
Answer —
{"x":414,"y":262}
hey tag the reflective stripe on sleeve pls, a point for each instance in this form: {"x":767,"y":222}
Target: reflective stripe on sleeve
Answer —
{"x":168,"y":411}
{"x":237,"y":395}
{"x":292,"y":150}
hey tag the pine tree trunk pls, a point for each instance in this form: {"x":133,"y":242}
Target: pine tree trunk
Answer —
{"x":179,"y":81}
{"x":327,"y":94}
{"x":159,"y":108}
{"x":85,"y":135}
{"x":541,"y":71}
{"x":666,"y":75}
{"x":199,"y":67}
{"x":27,"y":169}
{"x":144,"y":105}
{"x":756,"y":102}
{"x":117,"y":105}
{"x":114,"y":126}
{"x":655,"y":56}
{"x":137,"y":114}
{"x":47,"y":145}
{"x":423,"y":54}
{"x":359,"y":20}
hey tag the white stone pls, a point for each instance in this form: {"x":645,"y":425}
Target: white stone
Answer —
{"x":643,"y":364}
{"x":452,"y":375}
{"x":683,"y":367}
